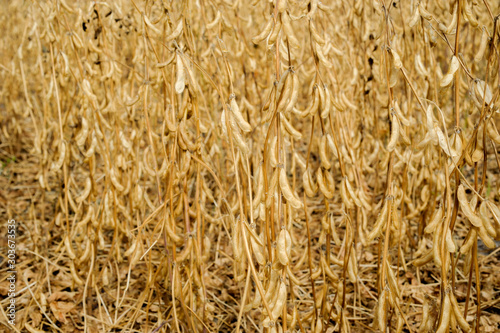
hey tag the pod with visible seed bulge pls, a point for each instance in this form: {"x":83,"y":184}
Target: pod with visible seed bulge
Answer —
{"x":112,"y":175}
{"x":380,"y":222}
{"x":482,"y":45}
{"x":287,"y":191}
{"x":240,"y":120}
{"x":290,"y":129}
{"x":393,"y":284}
{"x":69,"y":248}
{"x":310,"y":186}
{"x":287,"y":28}
{"x":326,"y":184}
{"x":284,"y":247}
{"x":396,"y":59}
{"x":345,"y":196}
{"x":86,"y":191}
{"x":295,"y":93}
{"x":458,"y":314}
{"x":272,"y":187}
{"x":180,"y":81}
{"x":258,"y":252}
{"x":469,"y":241}
{"x":423,"y":12}
{"x":450,"y":244}
{"x":280,"y":301}
{"x":315,"y":35}
{"x":175,"y":33}
{"x":445,"y":314}
{"x":216,"y":20}
{"x":327,"y":105}
{"x":400,"y":115}
{"x":352,"y":193}
{"x":352,"y":267}
{"x":485,"y":237}
{"x":467,"y":209}
{"x":394,"y":134}
{"x":327,"y":269}
{"x":448,"y":78}
{"x":493,"y":132}
{"x":382,"y":310}
{"x":313,"y":107}
{"x":453,"y":24}
{"x":424,"y":259}
{"x":481,"y":93}
{"x":436,"y":218}
{"x":483,"y":213}
{"x":436,"y":248}
{"x":414,"y":18}
{"x":325,"y":161}
{"x":276,"y":30}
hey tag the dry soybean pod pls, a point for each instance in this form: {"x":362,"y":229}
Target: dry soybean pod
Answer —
{"x":445,"y":313}
{"x":466,"y":208}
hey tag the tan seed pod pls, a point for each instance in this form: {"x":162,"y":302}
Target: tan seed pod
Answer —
{"x":284,"y":247}
{"x":297,"y":135}
{"x":382,"y":311}
{"x":450,"y":244}
{"x":325,"y":182}
{"x":479,"y":93}
{"x":288,"y":30}
{"x":263,"y":35}
{"x":295,"y":93}
{"x":216,"y":20}
{"x":289,"y":195}
{"x":469,"y":241}
{"x":414,"y":18}
{"x":482,"y":45}
{"x":458,"y":314}
{"x":380,"y":222}
{"x":346,"y":199}
{"x":453,"y":24}
{"x":423,"y":12}
{"x":272,"y":187}
{"x":176,"y":32}
{"x":445,"y":314}
{"x":276,"y":30}
{"x":327,"y":104}
{"x":258,"y":251}
{"x":436,"y":248}
{"x":424,"y":259}
{"x":86,"y":191}
{"x":395,"y":131}
{"x":56,"y":165}
{"x":325,"y":161}
{"x":74,"y":274}
{"x":483,"y":213}
{"x":467,"y":209}
{"x":485,"y":237}
{"x":352,"y":267}
{"x":448,"y":78}
{"x":436,"y":218}
{"x":493,"y":132}
{"x":310,"y":186}
{"x":69,"y":248}
{"x":280,"y":301}
{"x":315,"y":35}
{"x":327,"y":269}
{"x":114,"y":180}
{"x":396,"y":60}
{"x":180,"y":81}
{"x":240,"y":120}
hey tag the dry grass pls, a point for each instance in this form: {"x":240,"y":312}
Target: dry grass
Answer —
{"x":222,"y":166}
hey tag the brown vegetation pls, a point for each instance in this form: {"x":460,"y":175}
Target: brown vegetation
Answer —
{"x":246,"y":166}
